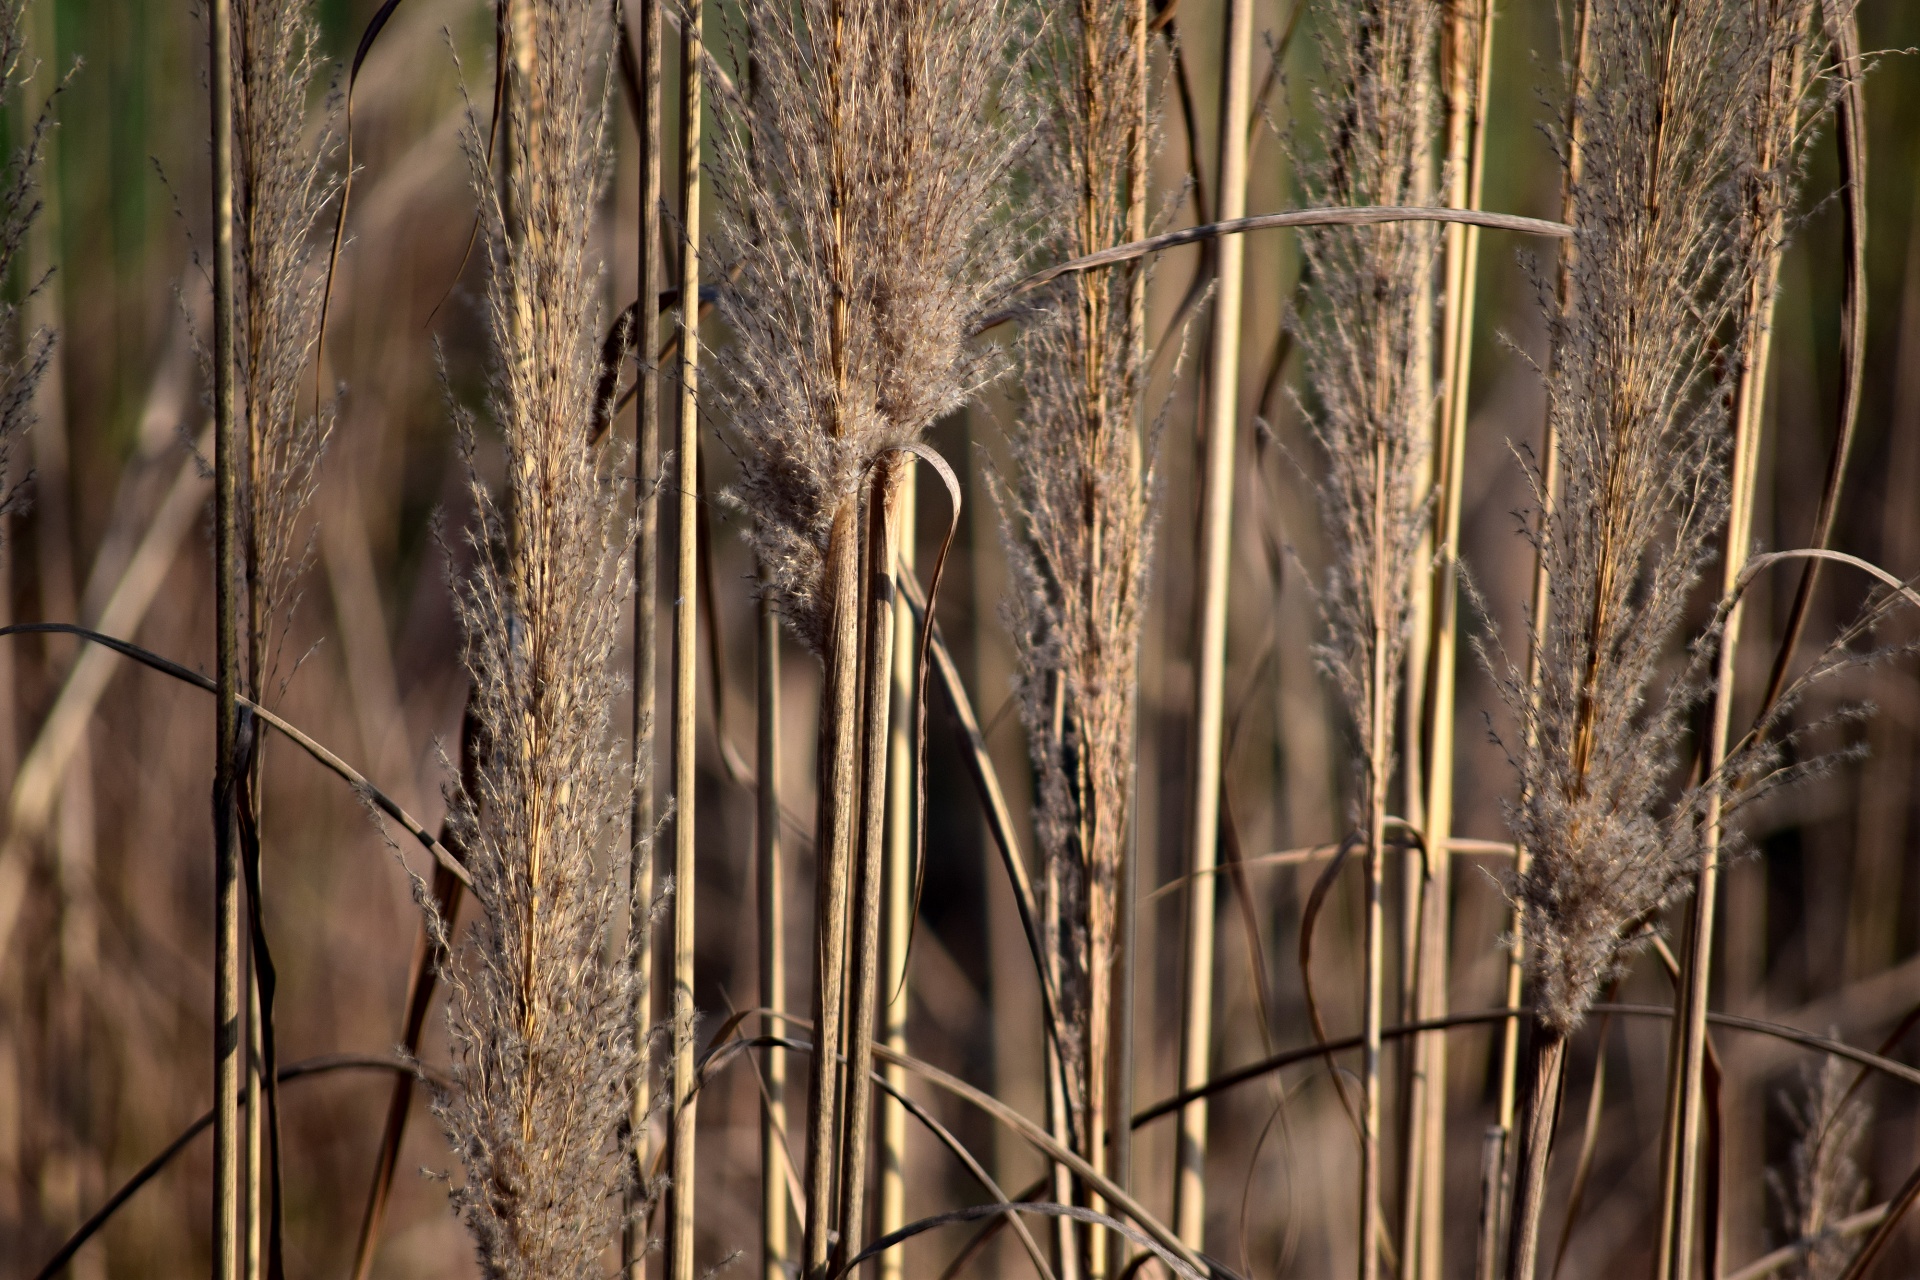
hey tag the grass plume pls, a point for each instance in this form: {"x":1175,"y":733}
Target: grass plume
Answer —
{"x":1662,"y":260}
{"x":540,"y":1011}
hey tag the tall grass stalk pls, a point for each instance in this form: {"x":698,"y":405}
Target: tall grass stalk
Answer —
{"x":681,"y":1111}
{"x":20,"y":377}
{"x":1468,"y":65}
{"x":773,"y":948}
{"x":281,"y":189}
{"x":641,"y":827}
{"x":1785,"y":27}
{"x":540,"y":1007}
{"x":227,"y":1013}
{"x":879,"y":600}
{"x":1078,"y":544}
{"x":897,"y":924}
{"x":1220,"y":425}
{"x":857,"y":186}
{"x":1658,"y":266}
{"x":1370,"y":373}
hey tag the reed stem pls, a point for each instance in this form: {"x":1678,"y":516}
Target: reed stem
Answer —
{"x":1542,"y":594}
{"x":837,"y":762}
{"x":227,"y":1046}
{"x":897,"y":927}
{"x":879,"y":602}
{"x":1210,"y":641}
{"x":1470,"y":41}
{"x":685,"y":660}
{"x":773,"y":941}
{"x":1548,"y":1056}
{"x":1680,"y":1164}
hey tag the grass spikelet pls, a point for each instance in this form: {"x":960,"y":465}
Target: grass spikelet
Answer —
{"x":1822,"y":1182}
{"x":282,"y":185}
{"x":540,"y":1010}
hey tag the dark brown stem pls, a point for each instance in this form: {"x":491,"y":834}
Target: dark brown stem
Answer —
{"x":1548,"y":1058}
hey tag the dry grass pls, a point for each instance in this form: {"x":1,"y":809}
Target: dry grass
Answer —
{"x":885,"y":173}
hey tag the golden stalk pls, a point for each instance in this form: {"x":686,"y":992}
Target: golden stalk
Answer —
{"x":685,"y":663}
{"x":1222,"y":435}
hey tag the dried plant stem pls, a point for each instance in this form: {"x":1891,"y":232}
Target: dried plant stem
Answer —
{"x":838,"y":763}
{"x":1222,"y":435}
{"x":685,"y":660}
{"x":879,"y":602}
{"x":1547,"y":1060}
{"x":897,"y":926}
{"x":226,"y":853}
{"x":646,"y":594}
{"x":1680,"y":1155}
{"x":1470,"y":48}
{"x":1379,"y":740}
{"x":429,"y":958}
{"x":773,"y":940}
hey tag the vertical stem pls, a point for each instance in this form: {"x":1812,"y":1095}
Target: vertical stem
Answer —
{"x":685,"y":659}
{"x":646,"y":594}
{"x":1222,"y":421}
{"x":864,"y":967}
{"x":227,"y":1045}
{"x":1470,"y":36}
{"x":898,"y":882}
{"x":837,"y":764}
{"x":837,"y":756}
{"x":1549,"y":1056}
{"x":773,"y":942}
{"x":1374,"y":974}
{"x":252,"y":1131}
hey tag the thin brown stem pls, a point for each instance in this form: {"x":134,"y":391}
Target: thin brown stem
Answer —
{"x":227,"y":1047}
{"x":773,"y":939}
{"x":1548,"y":1061}
{"x":1222,"y":437}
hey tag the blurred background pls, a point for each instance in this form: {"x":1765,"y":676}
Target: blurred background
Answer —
{"x":105,"y":878}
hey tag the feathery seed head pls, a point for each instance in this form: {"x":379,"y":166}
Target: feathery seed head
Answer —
{"x":539,"y":1015}
{"x":1366,"y":344}
{"x":860,"y":179}
{"x":1663,"y":256}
